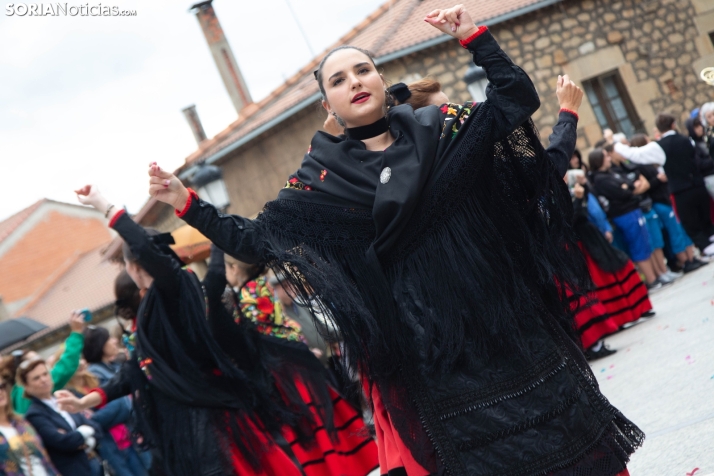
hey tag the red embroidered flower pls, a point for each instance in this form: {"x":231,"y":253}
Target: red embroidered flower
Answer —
{"x":293,"y":180}
{"x":251,"y":287}
{"x":323,"y":173}
{"x":265,"y":305}
{"x":445,"y":108}
{"x":308,"y":188}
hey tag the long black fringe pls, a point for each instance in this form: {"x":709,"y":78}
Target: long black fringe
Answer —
{"x":490,"y":242}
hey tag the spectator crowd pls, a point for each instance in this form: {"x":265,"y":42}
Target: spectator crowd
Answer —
{"x":651,"y":199}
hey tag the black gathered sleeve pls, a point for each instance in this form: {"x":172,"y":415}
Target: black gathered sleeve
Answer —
{"x":235,"y":235}
{"x":510,"y":92}
{"x":162,"y":267}
{"x":562,"y":142}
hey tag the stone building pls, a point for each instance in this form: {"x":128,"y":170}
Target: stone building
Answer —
{"x":634,"y":58}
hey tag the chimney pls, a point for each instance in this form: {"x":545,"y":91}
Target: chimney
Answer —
{"x":222,"y":55}
{"x":194,"y":123}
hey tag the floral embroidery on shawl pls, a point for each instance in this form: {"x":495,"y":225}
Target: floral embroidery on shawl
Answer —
{"x":258,"y":304}
{"x":296,"y":184}
{"x":456,"y":115}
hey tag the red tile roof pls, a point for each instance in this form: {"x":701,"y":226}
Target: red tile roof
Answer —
{"x":58,"y":234}
{"x":88,"y":283}
{"x":10,"y":224}
{"x":393,"y":27}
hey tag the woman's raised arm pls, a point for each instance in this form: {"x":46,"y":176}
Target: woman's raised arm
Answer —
{"x":234,"y":234}
{"x":162,"y":267}
{"x":510,"y":91}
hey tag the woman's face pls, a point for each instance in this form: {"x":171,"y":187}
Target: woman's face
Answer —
{"x":574,"y":162}
{"x":110,"y":349}
{"x":607,"y":163}
{"x":354,"y":90}
{"x":699,"y":130}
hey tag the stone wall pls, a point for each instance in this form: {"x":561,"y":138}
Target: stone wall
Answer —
{"x":260,"y":169}
{"x":657,"y":46}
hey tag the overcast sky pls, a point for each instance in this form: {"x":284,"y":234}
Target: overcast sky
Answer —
{"x":95,"y":99}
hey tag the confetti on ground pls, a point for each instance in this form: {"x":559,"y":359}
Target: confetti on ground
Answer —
{"x":609,"y":377}
{"x":693,"y":471}
{"x":603,"y":370}
{"x":681,"y":329}
{"x":689,"y":359}
{"x":706,"y":319}
{"x":704,"y":283}
{"x":612,"y":366}
{"x":628,"y":349}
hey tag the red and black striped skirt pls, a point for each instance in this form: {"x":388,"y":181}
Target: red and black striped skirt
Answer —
{"x":622,"y":293}
{"x":352,"y":453}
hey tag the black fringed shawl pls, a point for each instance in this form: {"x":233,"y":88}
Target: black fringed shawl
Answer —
{"x":445,"y":282}
{"x":195,"y":404}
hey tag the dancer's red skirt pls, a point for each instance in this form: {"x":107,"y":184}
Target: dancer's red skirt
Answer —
{"x":623,"y":293}
{"x":354,"y":453}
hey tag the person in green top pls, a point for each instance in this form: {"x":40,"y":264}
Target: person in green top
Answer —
{"x":62,"y":371}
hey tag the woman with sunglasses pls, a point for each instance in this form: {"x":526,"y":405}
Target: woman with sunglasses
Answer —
{"x":21,"y":450}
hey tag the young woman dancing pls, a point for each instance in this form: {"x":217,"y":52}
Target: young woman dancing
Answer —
{"x":200,"y":410}
{"x":433,"y":238}
{"x":330,"y":436}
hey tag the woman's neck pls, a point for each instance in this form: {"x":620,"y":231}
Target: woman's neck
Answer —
{"x":4,"y":420}
{"x":380,"y":142}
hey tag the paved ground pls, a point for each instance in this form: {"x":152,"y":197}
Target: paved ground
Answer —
{"x":662,"y":378}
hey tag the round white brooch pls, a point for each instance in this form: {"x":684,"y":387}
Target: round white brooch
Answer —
{"x":385,"y":175}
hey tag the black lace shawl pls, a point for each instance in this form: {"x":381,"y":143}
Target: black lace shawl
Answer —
{"x":459,"y":267}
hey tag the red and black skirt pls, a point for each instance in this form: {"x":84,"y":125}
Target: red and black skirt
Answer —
{"x":349,"y":451}
{"x":622,"y":293}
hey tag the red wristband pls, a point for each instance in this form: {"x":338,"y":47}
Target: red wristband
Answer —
{"x":116,"y":216}
{"x":571,"y":112}
{"x":479,"y":32}
{"x":189,"y":200}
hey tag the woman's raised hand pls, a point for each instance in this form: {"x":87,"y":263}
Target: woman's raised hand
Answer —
{"x":90,"y":195}
{"x":454,"y":21}
{"x":166,"y":187}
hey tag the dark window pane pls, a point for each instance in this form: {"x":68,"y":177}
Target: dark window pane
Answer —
{"x":618,"y":107}
{"x":610,"y":87}
{"x":601,"y":119}
{"x":591,"y":93}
